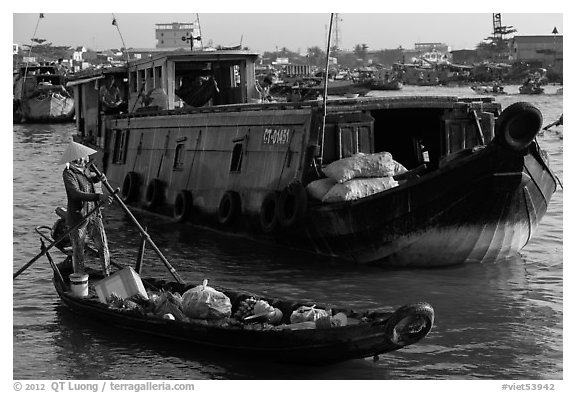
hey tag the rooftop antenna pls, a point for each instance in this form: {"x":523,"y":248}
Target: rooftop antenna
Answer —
{"x":497,"y":26}
{"x":337,"y":35}
{"x":199,"y":30}
{"x":125,"y":49}
{"x":325,"y":97}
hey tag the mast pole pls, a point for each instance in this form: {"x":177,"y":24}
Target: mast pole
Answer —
{"x":325,"y":97}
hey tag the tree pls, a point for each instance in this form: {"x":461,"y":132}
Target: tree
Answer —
{"x":361,"y":50}
{"x":316,"y":56}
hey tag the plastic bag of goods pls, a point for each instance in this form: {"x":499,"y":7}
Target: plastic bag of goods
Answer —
{"x":204,"y":302}
{"x":358,"y":188}
{"x":307,"y":314}
{"x":168,"y":303}
{"x":361,"y":165}
{"x":318,"y":188}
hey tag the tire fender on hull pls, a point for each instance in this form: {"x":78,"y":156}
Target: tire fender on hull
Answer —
{"x":183,"y":205}
{"x":292,"y":205}
{"x":154,"y":194}
{"x":409,"y":324}
{"x":269,"y":212}
{"x":518,"y":125}
{"x":129,"y":191}
{"x":229,"y":208}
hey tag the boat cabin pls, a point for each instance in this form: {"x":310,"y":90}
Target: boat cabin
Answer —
{"x":164,"y":82}
{"x":32,"y":78}
{"x":192,"y":79}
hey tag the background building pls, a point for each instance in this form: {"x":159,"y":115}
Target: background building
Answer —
{"x":547,"y":51}
{"x":178,"y":35}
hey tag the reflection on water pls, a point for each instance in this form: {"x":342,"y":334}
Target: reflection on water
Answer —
{"x":493,"y":321}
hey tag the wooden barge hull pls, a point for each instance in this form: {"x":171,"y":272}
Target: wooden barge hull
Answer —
{"x":483,"y":204}
{"x":482,"y":211}
{"x":48,"y":108}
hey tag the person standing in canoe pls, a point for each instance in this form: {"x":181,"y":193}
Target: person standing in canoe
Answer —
{"x":79,"y":184}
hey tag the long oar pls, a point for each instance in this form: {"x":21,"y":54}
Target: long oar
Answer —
{"x":53,"y":265}
{"x":78,"y":225}
{"x":142,"y":231}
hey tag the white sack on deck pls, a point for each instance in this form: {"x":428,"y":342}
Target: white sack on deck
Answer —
{"x":358,"y":188}
{"x":363,"y":165}
{"x":318,"y":188}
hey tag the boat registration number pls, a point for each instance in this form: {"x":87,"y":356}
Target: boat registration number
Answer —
{"x":276,"y":136}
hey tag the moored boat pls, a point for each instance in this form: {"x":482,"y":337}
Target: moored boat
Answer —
{"x":531,"y":89}
{"x":394,"y":84}
{"x":489,"y":90}
{"x":40,"y":95}
{"x":241,"y":322}
{"x":368,"y":333}
{"x":476,"y":187}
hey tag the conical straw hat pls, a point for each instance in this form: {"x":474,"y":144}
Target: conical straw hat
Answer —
{"x":75,"y":151}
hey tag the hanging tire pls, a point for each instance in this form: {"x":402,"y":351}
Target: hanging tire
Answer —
{"x":58,"y":229}
{"x":292,"y":205}
{"x":518,"y":125}
{"x":154,"y":194}
{"x":183,"y":206}
{"x":129,"y":191}
{"x":409,"y":324}
{"x":229,"y":208}
{"x":269,"y":212}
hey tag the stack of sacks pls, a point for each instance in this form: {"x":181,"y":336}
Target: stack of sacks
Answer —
{"x":356,"y":177}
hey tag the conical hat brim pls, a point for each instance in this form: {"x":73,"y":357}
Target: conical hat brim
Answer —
{"x":75,"y":151}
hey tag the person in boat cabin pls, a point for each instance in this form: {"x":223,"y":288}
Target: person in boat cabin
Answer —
{"x":110,"y":97}
{"x":81,"y":193}
{"x":263,"y":88}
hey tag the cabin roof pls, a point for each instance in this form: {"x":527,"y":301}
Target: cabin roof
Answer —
{"x":95,"y":72}
{"x":200,"y":56}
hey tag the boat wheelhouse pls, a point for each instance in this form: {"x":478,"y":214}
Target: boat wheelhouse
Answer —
{"x":475,"y":189}
{"x":40,"y":95}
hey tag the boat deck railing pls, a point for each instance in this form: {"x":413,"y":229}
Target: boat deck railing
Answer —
{"x":334,"y":105}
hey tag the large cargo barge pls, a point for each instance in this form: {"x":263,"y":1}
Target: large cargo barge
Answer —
{"x":476,"y":187}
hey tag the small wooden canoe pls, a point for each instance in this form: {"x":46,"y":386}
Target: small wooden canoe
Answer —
{"x":366,"y":333}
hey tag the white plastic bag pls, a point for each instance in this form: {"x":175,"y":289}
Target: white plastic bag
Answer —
{"x":204,"y":302}
{"x":307,"y":314}
{"x":358,"y":188}
{"x":361,"y":165}
{"x":318,"y":188}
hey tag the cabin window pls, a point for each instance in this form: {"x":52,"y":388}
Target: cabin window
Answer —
{"x":120,"y":146}
{"x":141,"y":79}
{"x":158,"y":77}
{"x":149,"y":79}
{"x":133,"y":82}
{"x":179,"y":156}
{"x":456,"y":137}
{"x":235,"y":76}
{"x":237,"y":154}
{"x":353,"y":139}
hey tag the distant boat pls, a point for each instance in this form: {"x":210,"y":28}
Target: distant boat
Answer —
{"x":489,"y":90}
{"x":394,"y":84}
{"x":531,"y":88}
{"x":40,"y":95}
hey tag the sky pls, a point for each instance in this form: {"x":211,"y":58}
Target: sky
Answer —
{"x":272,"y":30}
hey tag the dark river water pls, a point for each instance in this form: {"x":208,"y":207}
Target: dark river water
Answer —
{"x":494,"y":321}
